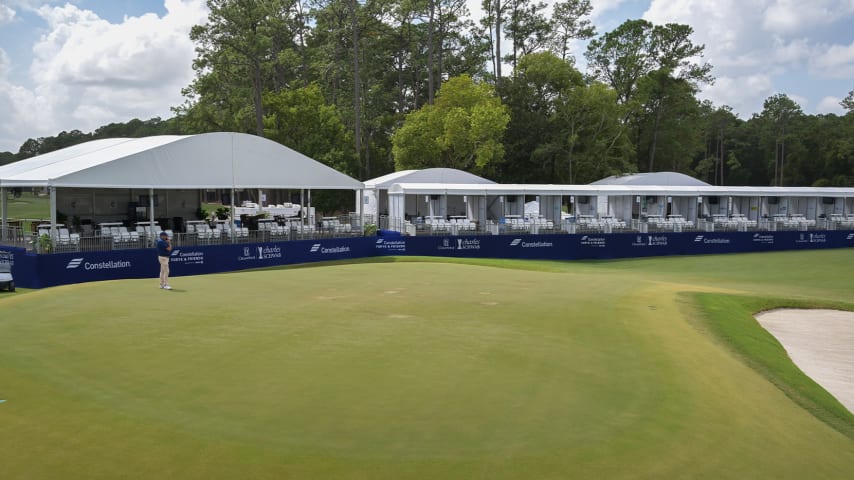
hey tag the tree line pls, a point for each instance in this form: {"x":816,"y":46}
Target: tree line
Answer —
{"x":373,"y":86}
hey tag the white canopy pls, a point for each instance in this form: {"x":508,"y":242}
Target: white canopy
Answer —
{"x":210,"y":160}
{"x":614,"y":190}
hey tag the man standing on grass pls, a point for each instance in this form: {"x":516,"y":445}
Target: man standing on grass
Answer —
{"x":164,"y":250}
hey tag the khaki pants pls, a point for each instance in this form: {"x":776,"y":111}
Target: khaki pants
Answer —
{"x":164,"y":270}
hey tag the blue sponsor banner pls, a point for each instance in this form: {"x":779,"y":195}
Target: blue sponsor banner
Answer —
{"x":39,"y":271}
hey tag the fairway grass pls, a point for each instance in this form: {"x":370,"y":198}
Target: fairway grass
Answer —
{"x":425,"y":369}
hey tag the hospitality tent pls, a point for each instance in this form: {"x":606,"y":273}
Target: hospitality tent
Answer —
{"x":376,"y":189}
{"x":221,"y":160}
{"x":490,"y":202}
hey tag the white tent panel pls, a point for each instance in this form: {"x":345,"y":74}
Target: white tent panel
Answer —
{"x":211,"y":160}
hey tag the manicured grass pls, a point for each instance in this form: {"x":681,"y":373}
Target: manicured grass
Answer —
{"x":414,"y":369}
{"x":28,"y":206}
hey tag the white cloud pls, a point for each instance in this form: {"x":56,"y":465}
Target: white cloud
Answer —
{"x":752,"y":44}
{"x":6,"y":14}
{"x":87,"y":71}
{"x":792,"y":16}
{"x":744,"y":94}
{"x":830,"y":105}
{"x":834,"y":61}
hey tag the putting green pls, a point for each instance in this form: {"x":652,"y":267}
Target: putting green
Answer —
{"x":408,"y":370}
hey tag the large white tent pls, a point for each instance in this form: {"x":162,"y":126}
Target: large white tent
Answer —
{"x":213,"y":160}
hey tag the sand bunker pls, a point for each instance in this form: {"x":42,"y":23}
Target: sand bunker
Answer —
{"x":821,"y":343}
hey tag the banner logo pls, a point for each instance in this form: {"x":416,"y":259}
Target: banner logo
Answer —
{"x":538,"y":244}
{"x":107,"y":265}
{"x":74,"y":263}
{"x":325,"y":251}
{"x":391,"y":245}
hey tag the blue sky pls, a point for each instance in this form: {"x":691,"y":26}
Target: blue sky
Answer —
{"x":80,"y":64}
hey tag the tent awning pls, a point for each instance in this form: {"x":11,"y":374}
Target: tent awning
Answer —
{"x":210,"y":160}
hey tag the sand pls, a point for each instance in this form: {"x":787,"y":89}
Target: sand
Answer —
{"x":821,"y":343}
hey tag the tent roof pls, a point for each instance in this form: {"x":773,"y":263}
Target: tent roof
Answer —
{"x":614,"y":190}
{"x":210,"y":160}
{"x":669,"y":179}
{"x":428,"y":175}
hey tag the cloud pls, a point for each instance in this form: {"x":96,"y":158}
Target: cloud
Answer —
{"x":87,"y":72}
{"x":791,"y":16}
{"x":834,"y":61}
{"x":830,"y":104}
{"x":774,"y":37}
{"x":6,"y":14}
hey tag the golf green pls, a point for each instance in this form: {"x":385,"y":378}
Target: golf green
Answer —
{"x":416,"y":369}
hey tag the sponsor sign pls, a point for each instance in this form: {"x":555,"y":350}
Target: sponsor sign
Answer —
{"x":468,"y":244}
{"x":75,"y":263}
{"x":763,"y":238}
{"x":650,"y":241}
{"x":712,"y":240}
{"x":595,"y":242}
{"x":390,"y":246}
{"x":518,"y":242}
{"x":188,"y":257}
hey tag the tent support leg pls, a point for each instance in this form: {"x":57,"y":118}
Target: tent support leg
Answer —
{"x":3,"y":212}
{"x":303,"y":212}
{"x":362,"y":211}
{"x":52,"y":191}
{"x":231,"y":215}
{"x":151,"y":215}
{"x":308,"y":212}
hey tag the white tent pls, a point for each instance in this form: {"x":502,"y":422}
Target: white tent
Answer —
{"x":212,"y":160}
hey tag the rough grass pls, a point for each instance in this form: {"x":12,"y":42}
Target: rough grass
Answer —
{"x":423,"y":370}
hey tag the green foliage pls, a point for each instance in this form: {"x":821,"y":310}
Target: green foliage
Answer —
{"x":222,"y":213}
{"x":45,"y":243}
{"x":301,"y":119}
{"x":462,"y":130}
{"x":370,"y":230}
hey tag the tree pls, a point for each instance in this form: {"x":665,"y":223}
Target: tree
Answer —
{"x":568,"y":24}
{"x":300,"y":119}
{"x":779,"y":112}
{"x":527,"y":27}
{"x":848,"y":102}
{"x":636,"y":48}
{"x":463,"y":129}
{"x":238,"y":38}
{"x":562,"y":130}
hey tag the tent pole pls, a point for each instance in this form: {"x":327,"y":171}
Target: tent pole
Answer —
{"x":310,"y":216}
{"x":231,"y":213}
{"x":260,"y":203}
{"x":362,"y":210}
{"x":52,"y":191}
{"x":4,"y":224}
{"x":303,"y":212}
{"x":154,"y":234}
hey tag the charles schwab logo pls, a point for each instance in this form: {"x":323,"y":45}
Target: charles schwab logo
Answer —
{"x":517,"y":242}
{"x":328,"y":250}
{"x":269,"y":252}
{"x":652,"y":241}
{"x":818,"y":238}
{"x":468,"y":244}
{"x":106,"y":265}
{"x":390,"y":245}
